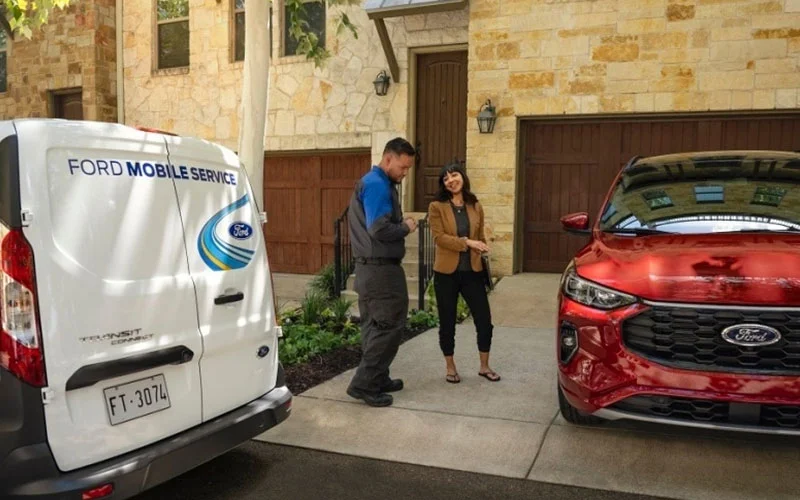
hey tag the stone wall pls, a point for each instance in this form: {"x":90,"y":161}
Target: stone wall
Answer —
{"x":201,"y":100}
{"x":77,"y":48}
{"x":310,"y":108}
{"x":555,"y":57}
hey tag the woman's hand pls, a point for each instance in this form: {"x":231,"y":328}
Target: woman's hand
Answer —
{"x":478,"y":245}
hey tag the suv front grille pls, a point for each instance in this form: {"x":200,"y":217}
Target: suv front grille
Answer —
{"x":699,"y":410}
{"x":690,"y":338}
{"x":706,"y":411}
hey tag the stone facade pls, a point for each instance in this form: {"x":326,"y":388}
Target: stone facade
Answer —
{"x":202,"y":100}
{"x":530,"y":57}
{"x":561,"y":57}
{"x":77,"y":48}
{"x":310,"y":108}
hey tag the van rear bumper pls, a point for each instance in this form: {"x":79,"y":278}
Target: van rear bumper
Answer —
{"x":143,"y":469}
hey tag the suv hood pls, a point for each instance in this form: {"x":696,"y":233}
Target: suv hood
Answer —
{"x":725,"y":269}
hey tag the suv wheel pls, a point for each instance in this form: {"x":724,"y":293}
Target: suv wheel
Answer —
{"x":572,"y":414}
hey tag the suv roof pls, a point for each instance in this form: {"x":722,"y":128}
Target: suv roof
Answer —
{"x":716,"y":156}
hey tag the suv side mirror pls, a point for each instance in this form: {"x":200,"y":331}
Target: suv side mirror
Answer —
{"x":577,"y":223}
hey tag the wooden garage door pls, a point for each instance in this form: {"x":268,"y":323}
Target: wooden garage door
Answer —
{"x":568,"y":166}
{"x":303,"y":195}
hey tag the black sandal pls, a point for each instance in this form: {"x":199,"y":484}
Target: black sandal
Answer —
{"x":490,"y":376}
{"x":453,"y":379}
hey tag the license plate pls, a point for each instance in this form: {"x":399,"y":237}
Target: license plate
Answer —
{"x":136,"y":399}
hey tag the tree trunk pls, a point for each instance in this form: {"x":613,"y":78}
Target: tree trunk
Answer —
{"x":255,"y":91}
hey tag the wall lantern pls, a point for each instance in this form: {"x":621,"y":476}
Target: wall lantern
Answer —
{"x":487,"y":118}
{"x":381,"y":83}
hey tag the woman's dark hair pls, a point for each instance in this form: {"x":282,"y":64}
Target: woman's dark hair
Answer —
{"x":445,"y":195}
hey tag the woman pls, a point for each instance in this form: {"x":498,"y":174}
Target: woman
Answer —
{"x":457,"y":223}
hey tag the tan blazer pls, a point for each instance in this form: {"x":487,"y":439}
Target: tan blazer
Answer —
{"x":442,"y":221}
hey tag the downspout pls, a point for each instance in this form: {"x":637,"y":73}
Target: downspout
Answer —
{"x":120,"y":66}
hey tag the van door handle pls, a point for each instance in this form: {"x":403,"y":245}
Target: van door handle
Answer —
{"x":91,"y":374}
{"x":229,"y":298}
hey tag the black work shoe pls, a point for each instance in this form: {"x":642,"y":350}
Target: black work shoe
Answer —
{"x":393,"y":386}
{"x":371,"y":399}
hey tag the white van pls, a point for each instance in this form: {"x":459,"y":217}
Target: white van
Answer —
{"x":139,"y":336}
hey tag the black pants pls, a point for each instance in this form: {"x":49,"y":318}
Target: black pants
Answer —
{"x":383,"y":305}
{"x":471,"y":286}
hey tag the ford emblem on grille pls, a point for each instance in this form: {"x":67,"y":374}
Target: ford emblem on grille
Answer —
{"x":751,"y":335}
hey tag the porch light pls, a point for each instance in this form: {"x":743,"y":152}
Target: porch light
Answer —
{"x":487,"y":118}
{"x":381,"y":83}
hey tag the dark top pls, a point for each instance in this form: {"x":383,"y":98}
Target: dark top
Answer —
{"x":376,"y":219}
{"x":462,"y":223}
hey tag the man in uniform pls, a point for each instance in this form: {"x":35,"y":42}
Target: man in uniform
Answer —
{"x":377,"y":239}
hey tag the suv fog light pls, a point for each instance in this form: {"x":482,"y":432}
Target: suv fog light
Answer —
{"x":568,"y":343}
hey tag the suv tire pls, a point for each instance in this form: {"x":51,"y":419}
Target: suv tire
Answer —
{"x":572,"y":414}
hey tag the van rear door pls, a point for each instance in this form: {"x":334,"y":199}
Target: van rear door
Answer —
{"x":228,"y":263}
{"x":115,"y":297}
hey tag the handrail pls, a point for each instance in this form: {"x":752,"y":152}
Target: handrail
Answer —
{"x":343,"y":263}
{"x":426,"y":256}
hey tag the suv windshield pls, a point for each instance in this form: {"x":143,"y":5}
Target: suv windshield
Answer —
{"x":705,"y":193}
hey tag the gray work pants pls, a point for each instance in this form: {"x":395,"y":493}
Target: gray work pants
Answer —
{"x":383,"y":305}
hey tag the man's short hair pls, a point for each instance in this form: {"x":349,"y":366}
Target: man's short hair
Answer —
{"x":400,"y":146}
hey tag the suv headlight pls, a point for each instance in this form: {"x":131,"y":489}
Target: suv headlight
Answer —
{"x":591,"y":294}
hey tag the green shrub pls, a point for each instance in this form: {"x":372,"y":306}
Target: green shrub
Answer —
{"x":340,"y":309}
{"x":302,"y":342}
{"x":419,"y":319}
{"x":462,"y":309}
{"x":312,"y":307}
{"x":325,"y":282}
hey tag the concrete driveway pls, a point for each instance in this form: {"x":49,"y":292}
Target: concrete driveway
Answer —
{"x":513,"y":428}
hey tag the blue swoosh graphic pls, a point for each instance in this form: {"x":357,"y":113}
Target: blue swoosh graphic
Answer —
{"x":217,"y":254}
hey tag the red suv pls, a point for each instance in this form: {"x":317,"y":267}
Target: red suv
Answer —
{"x":684,"y":307}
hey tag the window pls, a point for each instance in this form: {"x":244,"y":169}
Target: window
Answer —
{"x":728,"y":199}
{"x":238,"y":29}
{"x":611,"y":210}
{"x":315,"y":17}
{"x":770,"y":196}
{"x":3,"y":61}
{"x":172,"y":33}
{"x":709,"y":194}
{"x":657,"y":198}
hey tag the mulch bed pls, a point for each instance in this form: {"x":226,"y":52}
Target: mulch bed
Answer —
{"x":302,"y":377}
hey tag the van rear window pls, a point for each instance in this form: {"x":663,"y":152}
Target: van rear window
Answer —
{"x":9,"y":182}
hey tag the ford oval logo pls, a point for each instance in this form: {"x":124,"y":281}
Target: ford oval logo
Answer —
{"x":240,"y":230}
{"x":751,"y":335}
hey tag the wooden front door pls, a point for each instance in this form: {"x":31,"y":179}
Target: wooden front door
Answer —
{"x":441,"y":119}
{"x":303,"y":195}
{"x":569,"y":165}
{"x":68,"y":104}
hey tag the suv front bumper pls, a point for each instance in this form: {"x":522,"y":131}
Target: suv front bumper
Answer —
{"x":606,"y":379}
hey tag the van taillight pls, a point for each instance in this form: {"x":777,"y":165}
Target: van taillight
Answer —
{"x":20,"y":338}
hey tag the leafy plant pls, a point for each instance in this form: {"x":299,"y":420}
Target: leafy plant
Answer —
{"x":308,"y":43}
{"x":302,"y":342}
{"x":462,"y":309}
{"x":312,"y":307}
{"x":325,"y":281}
{"x":340,"y":309}
{"x":422,"y":319}
{"x":24,"y":15}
